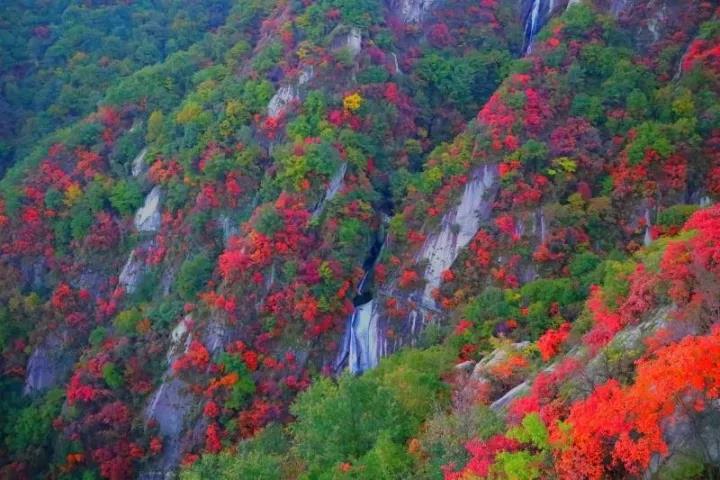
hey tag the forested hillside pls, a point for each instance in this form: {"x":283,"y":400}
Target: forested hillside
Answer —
{"x":386,"y":239}
{"x":59,"y":58}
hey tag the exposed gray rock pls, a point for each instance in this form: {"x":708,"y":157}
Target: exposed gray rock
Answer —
{"x":148,"y":218}
{"x":336,"y":183}
{"x":47,"y":366}
{"x":138,"y":164}
{"x":91,"y":281}
{"x":516,"y":392}
{"x":33,"y":273}
{"x":697,"y":438}
{"x":168,"y":407}
{"x":270,"y":280}
{"x":494,"y":358}
{"x":647,"y":238}
{"x":167,"y":281}
{"x":132,"y":272}
{"x":288,"y":94}
{"x":282,"y":98}
{"x":573,"y":2}
{"x":480,"y":374}
{"x":412,"y":11}
{"x":307,"y":74}
{"x":528,"y":273}
{"x":629,"y":340}
{"x":543,"y":226}
{"x":215,"y":336}
{"x":352,"y":41}
{"x":466,"y":366}
{"x":180,"y":339}
{"x":159,"y":474}
{"x":653,"y":29}
{"x":458,"y":227}
{"x":618,"y":6}
{"x":228,"y":227}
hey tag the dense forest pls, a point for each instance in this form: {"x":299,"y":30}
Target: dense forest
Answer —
{"x":377,"y":239}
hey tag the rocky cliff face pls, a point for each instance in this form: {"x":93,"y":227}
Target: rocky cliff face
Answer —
{"x":536,"y":14}
{"x":318,"y":188}
{"x":412,"y":11}
{"x":47,"y":366}
{"x":458,"y":227}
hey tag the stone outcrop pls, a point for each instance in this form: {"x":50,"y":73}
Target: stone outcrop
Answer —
{"x":148,"y":218}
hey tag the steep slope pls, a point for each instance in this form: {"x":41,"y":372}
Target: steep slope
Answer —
{"x":59,"y":58}
{"x":276,"y":204}
{"x":603,"y":140}
{"x":629,"y":390}
{"x":565,"y":168}
{"x":271,"y":148}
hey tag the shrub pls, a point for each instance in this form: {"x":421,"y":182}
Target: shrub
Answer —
{"x":194,"y":274}
{"x":126,"y":197}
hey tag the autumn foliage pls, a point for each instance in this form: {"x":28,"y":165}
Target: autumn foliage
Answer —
{"x":550,"y":342}
{"x":625,"y":425}
{"x":591,"y":160}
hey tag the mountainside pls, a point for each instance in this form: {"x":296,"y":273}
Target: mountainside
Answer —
{"x":379,"y":239}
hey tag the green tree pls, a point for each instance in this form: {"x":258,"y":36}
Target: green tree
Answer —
{"x":341,"y":421}
{"x":127,"y":320}
{"x":112,"y":376}
{"x":264,"y":457}
{"x":155,"y":126}
{"x":414,"y":377}
{"x":227,"y":466}
{"x":126,"y":196}
{"x":534,"y":459}
{"x":31,"y":430}
{"x":387,"y":460}
{"x":244,"y":387}
{"x":194,"y":274}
